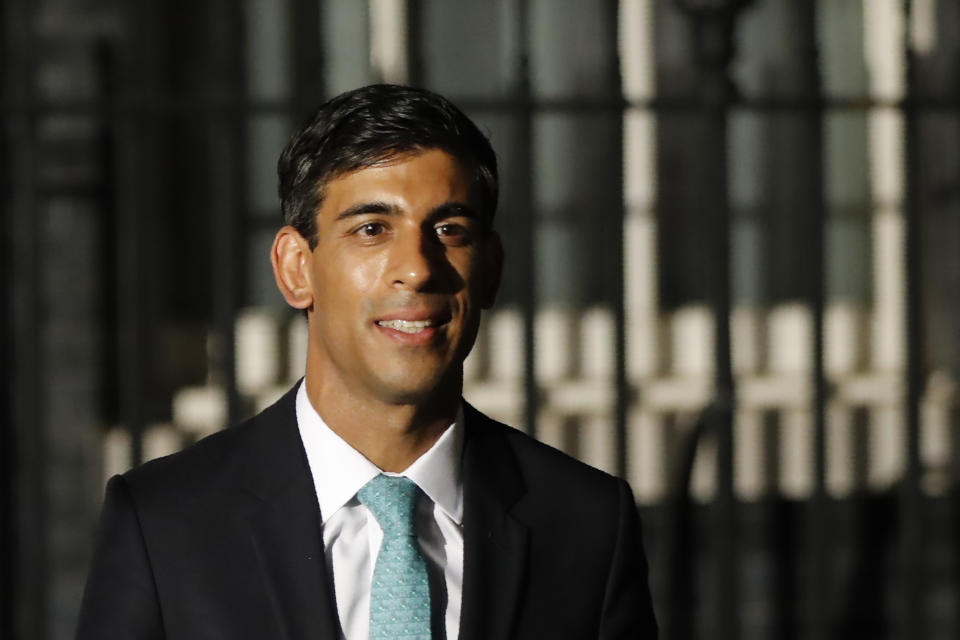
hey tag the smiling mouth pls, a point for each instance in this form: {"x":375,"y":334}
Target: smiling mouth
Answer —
{"x":407,"y":326}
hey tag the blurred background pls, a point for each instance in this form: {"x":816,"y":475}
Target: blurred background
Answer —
{"x":733,"y":272}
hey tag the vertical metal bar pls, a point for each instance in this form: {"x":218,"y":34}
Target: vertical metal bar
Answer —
{"x":679,"y":543}
{"x":28,"y":561}
{"x":8,"y":439}
{"x":713,"y":36}
{"x":307,"y":59}
{"x":617,"y":276}
{"x":227,"y":188}
{"x":526,"y":263}
{"x":725,"y":511}
{"x":817,"y":525}
{"x":29,"y":418}
{"x":119,"y":195}
{"x":108,"y":231}
{"x":913,"y":557}
{"x":415,"y":65}
{"x":8,"y":433}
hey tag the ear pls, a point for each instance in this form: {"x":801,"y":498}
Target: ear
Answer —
{"x":492,"y":269}
{"x":290,"y":257}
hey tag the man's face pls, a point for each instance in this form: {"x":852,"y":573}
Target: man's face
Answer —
{"x":400,"y":272}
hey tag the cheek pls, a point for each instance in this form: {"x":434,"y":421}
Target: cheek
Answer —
{"x":351,"y":282}
{"x":361,"y":276}
{"x":471,"y":272}
{"x":466,"y":264}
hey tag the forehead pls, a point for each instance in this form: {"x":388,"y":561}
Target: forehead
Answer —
{"x":408,"y":180}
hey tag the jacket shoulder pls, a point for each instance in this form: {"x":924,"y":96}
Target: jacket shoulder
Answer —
{"x":216,"y":463}
{"x":552,"y":475}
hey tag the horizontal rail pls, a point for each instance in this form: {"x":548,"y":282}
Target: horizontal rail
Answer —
{"x":229,"y":104}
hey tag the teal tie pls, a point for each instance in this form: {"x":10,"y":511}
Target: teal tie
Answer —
{"x":400,"y":595}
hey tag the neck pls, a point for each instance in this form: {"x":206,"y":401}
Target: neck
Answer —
{"x":391,"y":436}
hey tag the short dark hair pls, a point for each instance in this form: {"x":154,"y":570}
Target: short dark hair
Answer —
{"x":364,"y":126}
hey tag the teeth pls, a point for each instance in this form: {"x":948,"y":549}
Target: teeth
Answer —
{"x":406,"y":326}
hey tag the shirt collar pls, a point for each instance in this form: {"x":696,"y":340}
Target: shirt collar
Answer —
{"x":437,"y":472}
{"x":339,"y":470}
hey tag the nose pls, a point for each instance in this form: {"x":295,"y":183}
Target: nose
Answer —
{"x":410,"y":266}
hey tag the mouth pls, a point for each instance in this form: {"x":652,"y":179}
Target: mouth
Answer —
{"x":408,"y":326}
{"x":414,"y":328}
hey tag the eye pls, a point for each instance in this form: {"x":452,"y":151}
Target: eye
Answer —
{"x":370,"y":229}
{"x":452,"y":233}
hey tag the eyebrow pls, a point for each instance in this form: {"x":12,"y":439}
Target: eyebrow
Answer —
{"x":447,"y":209}
{"x":451,"y":209}
{"x":366,"y":208}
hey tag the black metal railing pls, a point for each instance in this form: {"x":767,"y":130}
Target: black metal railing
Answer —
{"x":803,"y":544}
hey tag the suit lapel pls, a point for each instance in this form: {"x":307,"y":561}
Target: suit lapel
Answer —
{"x":289,"y":549}
{"x":286,"y":528}
{"x":495,"y":543}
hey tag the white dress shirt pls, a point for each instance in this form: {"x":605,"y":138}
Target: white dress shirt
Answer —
{"x":351,"y":535}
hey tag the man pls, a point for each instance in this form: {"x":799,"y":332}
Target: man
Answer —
{"x":371,"y":501}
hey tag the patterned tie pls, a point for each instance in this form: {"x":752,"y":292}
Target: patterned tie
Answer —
{"x":400,"y":595}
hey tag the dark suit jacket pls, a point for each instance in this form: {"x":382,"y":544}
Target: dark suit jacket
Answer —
{"x":222,"y":540}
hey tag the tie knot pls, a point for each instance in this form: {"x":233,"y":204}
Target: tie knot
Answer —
{"x":392,"y":500}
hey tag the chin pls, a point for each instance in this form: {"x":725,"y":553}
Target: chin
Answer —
{"x":408,"y":388}
{"x":407,"y":395}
